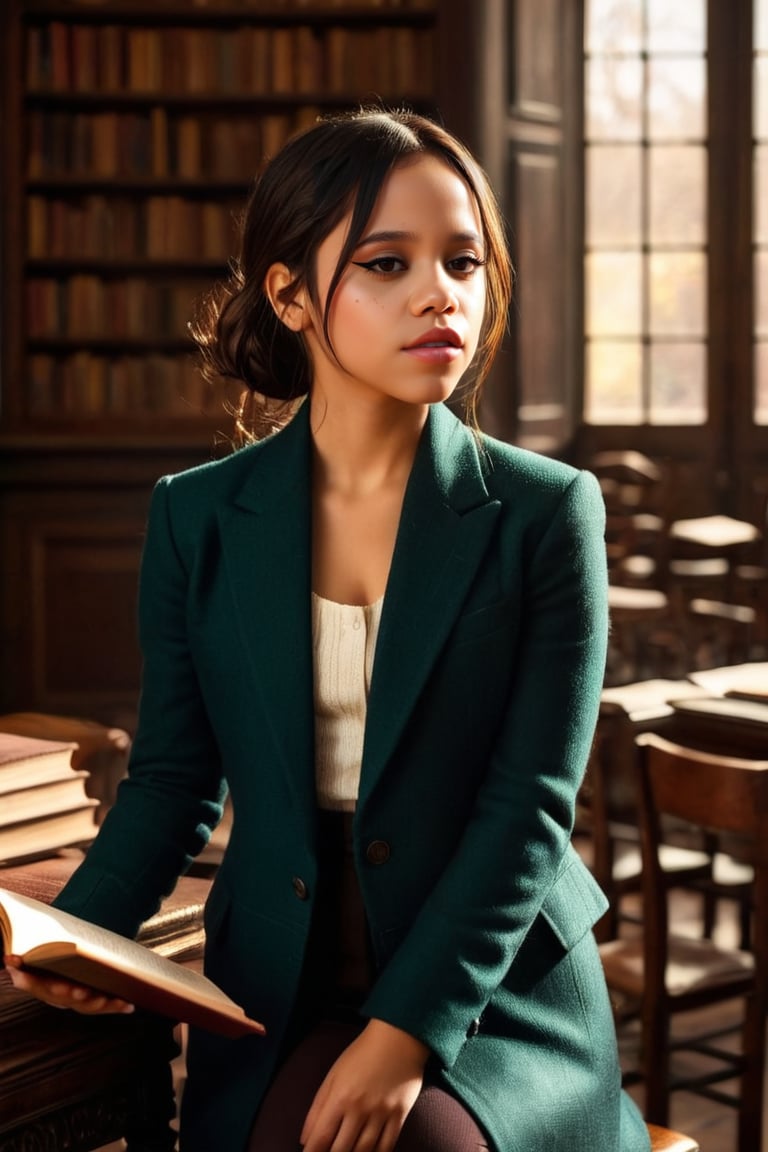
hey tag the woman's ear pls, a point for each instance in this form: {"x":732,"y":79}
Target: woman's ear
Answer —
{"x":290,"y":312}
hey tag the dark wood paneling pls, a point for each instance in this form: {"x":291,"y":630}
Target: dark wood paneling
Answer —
{"x":536,"y":194}
{"x":536,"y":72}
{"x":69,"y":587}
{"x":532,"y":397}
{"x":84,"y":582}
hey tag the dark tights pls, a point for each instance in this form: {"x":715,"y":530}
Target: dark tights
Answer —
{"x":436,"y":1123}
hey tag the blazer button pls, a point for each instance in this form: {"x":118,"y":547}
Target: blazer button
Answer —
{"x":377,"y":852}
{"x":300,"y":888}
{"x":473,"y":1029}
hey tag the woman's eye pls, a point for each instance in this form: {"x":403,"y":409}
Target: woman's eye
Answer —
{"x":465,"y":264}
{"x":381,"y":264}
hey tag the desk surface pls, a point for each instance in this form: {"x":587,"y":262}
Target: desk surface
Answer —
{"x":732,"y":696}
{"x":721,"y":724}
{"x":647,"y":699}
{"x":727,"y":709}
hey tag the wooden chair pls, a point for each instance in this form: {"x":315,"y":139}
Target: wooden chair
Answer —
{"x":639,"y":617}
{"x":703,"y":555}
{"x":610,"y":799}
{"x":632,"y":486}
{"x":719,"y":633}
{"x":673,"y":974}
{"x":665,"y":1140}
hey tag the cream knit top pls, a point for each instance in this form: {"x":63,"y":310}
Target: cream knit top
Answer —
{"x":343,"y":642}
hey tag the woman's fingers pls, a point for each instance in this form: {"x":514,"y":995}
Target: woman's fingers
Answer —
{"x":60,"y":993}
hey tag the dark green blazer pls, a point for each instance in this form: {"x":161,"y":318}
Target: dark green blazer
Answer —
{"x":483,"y":701}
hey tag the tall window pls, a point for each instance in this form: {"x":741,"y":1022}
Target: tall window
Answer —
{"x":645,"y":229}
{"x":760,"y":228}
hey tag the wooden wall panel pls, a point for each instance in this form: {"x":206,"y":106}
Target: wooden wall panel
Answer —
{"x":69,"y":592}
{"x":533,"y":396}
{"x":84,"y":581}
{"x":536,"y":59}
{"x":535,"y":183}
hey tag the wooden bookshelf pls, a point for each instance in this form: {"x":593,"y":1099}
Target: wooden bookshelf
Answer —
{"x":131,"y":133}
{"x":141,"y":128}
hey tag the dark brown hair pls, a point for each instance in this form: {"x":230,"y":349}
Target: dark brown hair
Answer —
{"x":335,"y":167}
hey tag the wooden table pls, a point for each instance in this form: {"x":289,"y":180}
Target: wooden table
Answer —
{"x":78,"y":1082}
{"x":723,"y":724}
{"x":723,"y":708}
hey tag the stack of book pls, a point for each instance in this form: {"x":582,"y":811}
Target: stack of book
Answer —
{"x":44,"y":806}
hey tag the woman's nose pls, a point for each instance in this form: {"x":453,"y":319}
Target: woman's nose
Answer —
{"x":436,"y":293}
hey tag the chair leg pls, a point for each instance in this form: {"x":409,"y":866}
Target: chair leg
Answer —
{"x":655,"y":1064}
{"x":752,"y":1081}
{"x":745,"y":924}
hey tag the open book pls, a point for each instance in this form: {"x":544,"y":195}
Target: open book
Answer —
{"x":55,"y":941}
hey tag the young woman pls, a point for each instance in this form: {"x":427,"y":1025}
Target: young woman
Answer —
{"x":385,"y":634}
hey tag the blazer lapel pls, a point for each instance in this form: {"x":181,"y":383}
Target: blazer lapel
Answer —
{"x":266,"y":535}
{"x":445,"y":527}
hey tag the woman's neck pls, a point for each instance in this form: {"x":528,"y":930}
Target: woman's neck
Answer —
{"x":361,"y":449}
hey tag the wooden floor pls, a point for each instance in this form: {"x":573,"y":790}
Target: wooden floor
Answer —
{"x":713,"y":1125}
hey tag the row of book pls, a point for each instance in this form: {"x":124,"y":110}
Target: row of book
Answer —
{"x":86,"y":385}
{"x":166,"y":227}
{"x":157,"y":145}
{"x":44,"y":805}
{"x":265,"y":8}
{"x":118,"y":228}
{"x":85,"y":306}
{"x":259,"y":60}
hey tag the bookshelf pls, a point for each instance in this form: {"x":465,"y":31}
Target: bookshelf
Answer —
{"x":131,"y":132}
{"x":141,"y":127}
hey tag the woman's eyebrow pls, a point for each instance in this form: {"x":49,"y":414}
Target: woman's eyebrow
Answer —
{"x":393,"y":236}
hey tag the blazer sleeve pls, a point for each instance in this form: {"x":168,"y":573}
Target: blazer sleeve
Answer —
{"x":465,"y":938}
{"x":174,"y":792}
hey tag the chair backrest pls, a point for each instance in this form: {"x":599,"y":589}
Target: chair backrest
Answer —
{"x":718,"y":793}
{"x":627,"y":466}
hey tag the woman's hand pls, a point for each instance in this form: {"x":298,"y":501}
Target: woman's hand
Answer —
{"x":61,"y":993}
{"x":364,"y":1100}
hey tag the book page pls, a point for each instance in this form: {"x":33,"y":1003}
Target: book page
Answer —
{"x":56,"y":941}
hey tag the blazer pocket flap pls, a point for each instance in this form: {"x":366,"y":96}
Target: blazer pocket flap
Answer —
{"x":574,"y":904}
